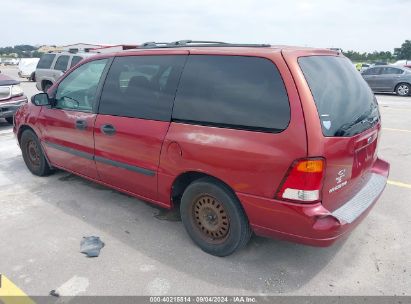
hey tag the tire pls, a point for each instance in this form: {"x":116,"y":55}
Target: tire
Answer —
{"x":214,"y":218}
{"x":9,"y":120}
{"x":32,"y":77}
{"x":403,"y":89}
{"x":46,"y":87}
{"x":33,"y":154}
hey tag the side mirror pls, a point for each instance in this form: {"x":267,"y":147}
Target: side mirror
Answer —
{"x":40,"y":99}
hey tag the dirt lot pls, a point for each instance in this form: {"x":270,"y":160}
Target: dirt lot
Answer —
{"x":44,"y":219}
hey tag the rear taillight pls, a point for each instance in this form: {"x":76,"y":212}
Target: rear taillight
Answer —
{"x":303,"y":182}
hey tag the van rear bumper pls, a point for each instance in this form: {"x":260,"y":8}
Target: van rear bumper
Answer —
{"x":313,"y":224}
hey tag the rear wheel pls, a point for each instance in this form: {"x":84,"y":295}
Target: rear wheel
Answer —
{"x":403,"y":89}
{"x":33,"y":154}
{"x":9,"y":120}
{"x":214,"y":218}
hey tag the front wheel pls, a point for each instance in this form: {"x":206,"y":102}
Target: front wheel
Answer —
{"x":33,"y":154}
{"x":403,"y":89}
{"x":214,"y":218}
{"x":9,"y":120}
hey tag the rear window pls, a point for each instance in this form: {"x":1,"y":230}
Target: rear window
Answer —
{"x":232,"y":92}
{"x":345,"y":103}
{"x":46,"y":61}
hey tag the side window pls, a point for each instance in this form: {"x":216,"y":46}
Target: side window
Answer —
{"x":61,"y":63}
{"x":234,"y":92}
{"x":78,"y":90}
{"x":392,"y":71}
{"x":398,"y":71}
{"x":46,"y":61}
{"x":75,"y":60}
{"x":372,"y":71}
{"x":142,"y":86}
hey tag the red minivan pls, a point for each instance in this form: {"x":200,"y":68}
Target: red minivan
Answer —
{"x":279,"y":141}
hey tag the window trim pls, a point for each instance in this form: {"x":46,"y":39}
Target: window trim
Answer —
{"x":99,"y":89}
{"x":228,"y":126}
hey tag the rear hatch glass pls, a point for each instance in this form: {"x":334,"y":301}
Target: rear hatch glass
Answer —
{"x":345,"y":103}
{"x":349,"y":119}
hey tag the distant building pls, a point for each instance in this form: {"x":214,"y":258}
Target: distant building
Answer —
{"x":81,"y":47}
{"x":114,"y":48}
{"x":48,"y":48}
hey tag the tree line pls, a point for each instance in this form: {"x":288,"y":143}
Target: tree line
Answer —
{"x":22,"y":51}
{"x":403,"y":52}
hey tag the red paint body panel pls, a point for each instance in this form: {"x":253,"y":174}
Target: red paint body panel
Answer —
{"x":351,"y":155}
{"x":300,"y":223}
{"x":137,"y":142}
{"x":58,"y":127}
{"x":253,"y":164}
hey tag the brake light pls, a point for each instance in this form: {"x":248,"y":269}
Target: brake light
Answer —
{"x":303,"y":182}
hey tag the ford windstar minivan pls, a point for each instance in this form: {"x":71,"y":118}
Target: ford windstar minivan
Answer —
{"x":279,"y":141}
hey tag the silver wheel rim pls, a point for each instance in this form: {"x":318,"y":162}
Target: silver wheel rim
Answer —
{"x":403,"y":90}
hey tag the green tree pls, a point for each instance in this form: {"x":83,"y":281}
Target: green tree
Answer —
{"x":403,"y":52}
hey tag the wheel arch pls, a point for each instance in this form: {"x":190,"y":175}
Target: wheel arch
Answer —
{"x":22,"y":129}
{"x":182,"y":181}
{"x":20,"y":133}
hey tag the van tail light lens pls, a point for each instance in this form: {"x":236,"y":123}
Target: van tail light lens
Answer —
{"x":303,"y":182}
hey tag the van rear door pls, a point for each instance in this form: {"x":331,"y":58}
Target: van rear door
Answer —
{"x":347,"y":121}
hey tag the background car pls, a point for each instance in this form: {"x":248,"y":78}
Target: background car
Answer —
{"x":52,"y":65}
{"x":27,"y":68}
{"x":389,"y":79}
{"x":11,"y":97}
{"x":402,"y":63}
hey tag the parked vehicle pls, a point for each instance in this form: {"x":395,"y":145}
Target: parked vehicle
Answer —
{"x":402,"y":62}
{"x":389,"y":79}
{"x":281,"y":141}
{"x":11,"y":97}
{"x":27,"y":68}
{"x":53,"y":65}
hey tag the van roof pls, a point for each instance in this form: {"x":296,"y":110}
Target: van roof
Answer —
{"x":216,"y":47}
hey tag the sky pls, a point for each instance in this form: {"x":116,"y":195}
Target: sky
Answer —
{"x":364,"y":26}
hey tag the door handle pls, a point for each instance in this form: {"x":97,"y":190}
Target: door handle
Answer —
{"x":81,"y":124}
{"x":108,"y":129}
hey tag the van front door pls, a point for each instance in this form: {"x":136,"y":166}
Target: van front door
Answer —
{"x":133,"y":119}
{"x":67,"y":127}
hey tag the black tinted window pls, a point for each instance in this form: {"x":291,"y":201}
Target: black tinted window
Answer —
{"x":75,"y":60}
{"x":141,"y":86}
{"x":232,"y":91}
{"x":46,"y":61}
{"x":61,"y":63}
{"x":345,"y":103}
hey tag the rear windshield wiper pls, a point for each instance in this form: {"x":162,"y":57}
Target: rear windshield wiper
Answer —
{"x":364,"y":118}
